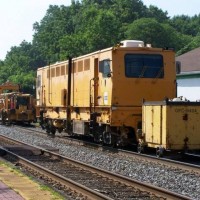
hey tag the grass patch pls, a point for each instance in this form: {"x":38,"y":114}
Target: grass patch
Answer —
{"x":55,"y":194}
{"x":14,"y":169}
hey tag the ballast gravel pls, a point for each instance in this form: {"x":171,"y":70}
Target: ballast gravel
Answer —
{"x":170,"y":178}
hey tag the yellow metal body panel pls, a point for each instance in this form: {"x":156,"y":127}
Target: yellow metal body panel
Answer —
{"x":128,"y":116}
{"x":173,"y":126}
{"x":153,"y":125}
{"x":118,"y":98}
{"x":128,"y":93}
{"x":49,"y":92}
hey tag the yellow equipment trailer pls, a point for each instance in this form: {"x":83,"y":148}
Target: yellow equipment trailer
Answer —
{"x":100,"y":94}
{"x":171,"y":125}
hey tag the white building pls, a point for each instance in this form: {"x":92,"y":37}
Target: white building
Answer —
{"x":188,"y":85}
{"x":188,"y":81}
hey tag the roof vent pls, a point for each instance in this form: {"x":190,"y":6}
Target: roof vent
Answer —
{"x":148,"y":45}
{"x":132,"y":43}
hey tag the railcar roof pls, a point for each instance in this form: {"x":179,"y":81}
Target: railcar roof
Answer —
{"x":152,"y":49}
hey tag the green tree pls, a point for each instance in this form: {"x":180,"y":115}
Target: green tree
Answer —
{"x":19,"y":62}
{"x":26,"y":80}
{"x":186,"y":25}
{"x":158,"y":34}
{"x":102,"y":31}
{"x":158,"y":14}
{"x":195,"y":43}
{"x":56,"y":24}
{"x":89,"y":25}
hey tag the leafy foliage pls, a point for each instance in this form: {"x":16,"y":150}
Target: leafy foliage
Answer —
{"x":158,"y":34}
{"x":186,"y":25}
{"x":195,"y":43}
{"x":92,"y":25}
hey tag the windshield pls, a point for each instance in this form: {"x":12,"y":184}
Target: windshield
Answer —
{"x":22,"y":100}
{"x":144,"y":66}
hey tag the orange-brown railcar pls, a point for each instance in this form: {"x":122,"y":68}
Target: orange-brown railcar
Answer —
{"x":17,"y":107}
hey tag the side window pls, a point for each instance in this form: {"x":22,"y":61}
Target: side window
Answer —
{"x":104,"y":68}
{"x":38,"y":81}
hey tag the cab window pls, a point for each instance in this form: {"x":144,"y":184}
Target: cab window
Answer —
{"x":144,"y":66}
{"x":38,"y":82}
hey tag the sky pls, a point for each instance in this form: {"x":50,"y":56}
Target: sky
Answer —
{"x":18,"y":16}
{"x":176,"y":7}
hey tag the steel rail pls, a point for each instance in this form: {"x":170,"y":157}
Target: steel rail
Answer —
{"x":87,"y":192}
{"x":166,"y":161}
{"x":122,"y":179}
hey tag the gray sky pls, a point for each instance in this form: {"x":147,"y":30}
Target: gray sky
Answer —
{"x":18,"y":16}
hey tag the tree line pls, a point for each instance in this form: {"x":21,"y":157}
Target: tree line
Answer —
{"x":89,"y":25}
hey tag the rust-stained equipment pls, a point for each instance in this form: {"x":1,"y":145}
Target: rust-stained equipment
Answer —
{"x":170,"y":125}
{"x":8,"y":87}
{"x":17,"y":107}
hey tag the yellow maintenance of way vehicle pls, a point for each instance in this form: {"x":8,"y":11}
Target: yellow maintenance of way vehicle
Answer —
{"x":100,"y":94}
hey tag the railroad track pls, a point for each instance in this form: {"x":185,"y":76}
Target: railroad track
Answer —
{"x":125,"y":153}
{"x":86,"y":181}
{"x":174,"y":176}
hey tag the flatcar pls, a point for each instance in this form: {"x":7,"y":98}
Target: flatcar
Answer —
{"x":100,"y":94}
{"x":16,"y":107}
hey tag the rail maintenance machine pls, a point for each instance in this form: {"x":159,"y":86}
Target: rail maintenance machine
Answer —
{"x":101,"y":94}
